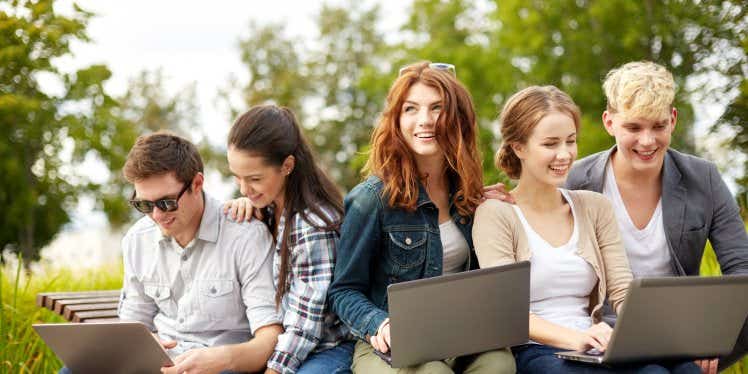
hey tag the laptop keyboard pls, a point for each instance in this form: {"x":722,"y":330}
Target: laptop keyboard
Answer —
{"x":594,"y":352}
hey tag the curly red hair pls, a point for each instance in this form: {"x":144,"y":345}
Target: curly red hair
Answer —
{"x":456,"y":130}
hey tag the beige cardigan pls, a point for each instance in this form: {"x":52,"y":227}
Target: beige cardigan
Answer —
{"x":500,"y":239}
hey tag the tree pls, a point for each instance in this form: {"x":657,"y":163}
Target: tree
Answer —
{"x":501,"y":47}
{"x":48,"y":138}
{"x":346,"y":72}
{"x":334,"y":87}
{"x":43,"y":132}
{"x":572,"y":44}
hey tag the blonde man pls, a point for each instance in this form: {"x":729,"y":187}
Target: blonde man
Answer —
{"x":667,"y":203}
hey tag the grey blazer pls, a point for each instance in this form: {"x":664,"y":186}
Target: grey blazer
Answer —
{"x":696,"y":206}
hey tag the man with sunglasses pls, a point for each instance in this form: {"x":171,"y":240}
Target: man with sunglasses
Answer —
{"x":201,"y":282}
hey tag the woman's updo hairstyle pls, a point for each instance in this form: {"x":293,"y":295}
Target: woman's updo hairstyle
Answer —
{"x":520,"y":115}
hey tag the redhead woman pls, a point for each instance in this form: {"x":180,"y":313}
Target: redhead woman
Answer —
{"x":422,"y":187}
{"x":570,"y":237}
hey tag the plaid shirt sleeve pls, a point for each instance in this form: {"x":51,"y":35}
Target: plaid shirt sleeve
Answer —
{"x":312,"y":260}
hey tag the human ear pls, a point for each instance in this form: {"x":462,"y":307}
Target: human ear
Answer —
{"x":519,"y":150}
{"x":288,"y":165}
{"x":608,"y":122}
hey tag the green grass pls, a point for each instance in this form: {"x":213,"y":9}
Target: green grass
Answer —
{"x":21,"y":349}
{"x":710,"y":266}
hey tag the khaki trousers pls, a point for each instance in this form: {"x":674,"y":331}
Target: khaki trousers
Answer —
{"x":494,"y":362}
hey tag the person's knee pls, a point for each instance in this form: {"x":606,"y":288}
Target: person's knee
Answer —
{"x":435,"y":367}
{"x":499,"y":361}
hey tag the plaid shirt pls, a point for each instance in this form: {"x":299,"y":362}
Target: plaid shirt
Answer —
{"x":309,"y":324}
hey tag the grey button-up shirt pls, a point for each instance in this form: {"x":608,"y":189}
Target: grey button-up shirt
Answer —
{"x":217,"y":290}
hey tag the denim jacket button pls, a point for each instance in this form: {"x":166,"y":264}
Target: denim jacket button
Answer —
{"x":408,"y":241}
{"x":463,"y":221}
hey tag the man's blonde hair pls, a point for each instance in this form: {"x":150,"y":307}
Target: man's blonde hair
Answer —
{"x":640,"y":89}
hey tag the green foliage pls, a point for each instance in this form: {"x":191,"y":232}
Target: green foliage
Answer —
{"x":335,"y":87}
{"x":736,"y":119}
{"x":47,"y":138}
{"x":572,"y":44}
{"x":38,"y":127}
{"x":21,"y":349}
{"x":710,"y":267}
{"x":498,"y":48}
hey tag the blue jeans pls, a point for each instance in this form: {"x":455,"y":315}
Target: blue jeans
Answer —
{"x":536,"y":358}
{"x":65,"y":370}
{"x":331,"y":361}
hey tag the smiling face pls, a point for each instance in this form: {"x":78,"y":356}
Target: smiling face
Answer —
{"x":547,"y":155}
{"x":418,"y":117}
{"x":641,"y":143}
{"x":258,"y":180}
{"x":181,"y":223}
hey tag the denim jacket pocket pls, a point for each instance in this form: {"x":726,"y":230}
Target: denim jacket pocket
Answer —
{"x":217,"y":298}
{"x":161,"y":294}
{"x":407,"y":248}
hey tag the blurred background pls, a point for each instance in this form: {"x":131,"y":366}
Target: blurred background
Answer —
{"x":79,"y":81}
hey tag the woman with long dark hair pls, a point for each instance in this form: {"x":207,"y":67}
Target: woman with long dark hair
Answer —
{"x":276,"y":170}
{"x":412,"y":216}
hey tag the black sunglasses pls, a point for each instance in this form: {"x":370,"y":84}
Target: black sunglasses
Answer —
{"x":166,"y":205}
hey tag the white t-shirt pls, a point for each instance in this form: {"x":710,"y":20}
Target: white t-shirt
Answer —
{"x":561,"y":281}
{"x":646,"y":249}
{"x":455,"y":248}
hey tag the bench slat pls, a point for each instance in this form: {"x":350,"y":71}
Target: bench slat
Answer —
{"x":82,"y":306}
{"x":97,"y":314}
{"x":94,"y":320}
{"x":69,"y":310}
{"x":59,"y":304}
{"x":47,"y":299}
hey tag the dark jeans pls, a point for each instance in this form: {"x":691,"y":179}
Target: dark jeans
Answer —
{"x":332,"y":361}
{"x":536,"y":358}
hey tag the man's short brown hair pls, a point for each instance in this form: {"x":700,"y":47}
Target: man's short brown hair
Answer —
{"x":162,"y":153}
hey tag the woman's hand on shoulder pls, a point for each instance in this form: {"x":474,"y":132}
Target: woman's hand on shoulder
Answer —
{"x":241,"y":209}
{"x":497,"y":192}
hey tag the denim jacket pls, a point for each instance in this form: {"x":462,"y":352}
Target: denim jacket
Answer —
{"x":381,"y":245}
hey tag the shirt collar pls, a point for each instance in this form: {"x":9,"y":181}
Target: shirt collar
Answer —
{"x":210,"y":224}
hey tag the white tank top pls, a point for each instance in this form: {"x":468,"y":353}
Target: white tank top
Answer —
{"x":455,"y":248}
{"x":560,"y":280}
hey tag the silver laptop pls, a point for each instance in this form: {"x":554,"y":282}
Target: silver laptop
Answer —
{"x":675,"y":318}
{"x":105,"y":347}
{"x":458,"y":314}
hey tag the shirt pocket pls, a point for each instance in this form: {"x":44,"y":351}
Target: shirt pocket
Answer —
{"x":407,"y":248}
{"x":161,"y":295}
{"x":218,"y":298}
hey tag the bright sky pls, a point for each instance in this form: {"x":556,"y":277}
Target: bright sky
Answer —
{"x":193,"y":42}
{"x":190,"y":42}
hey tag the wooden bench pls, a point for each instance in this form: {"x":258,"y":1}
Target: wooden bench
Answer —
{"x":83,"y":306}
